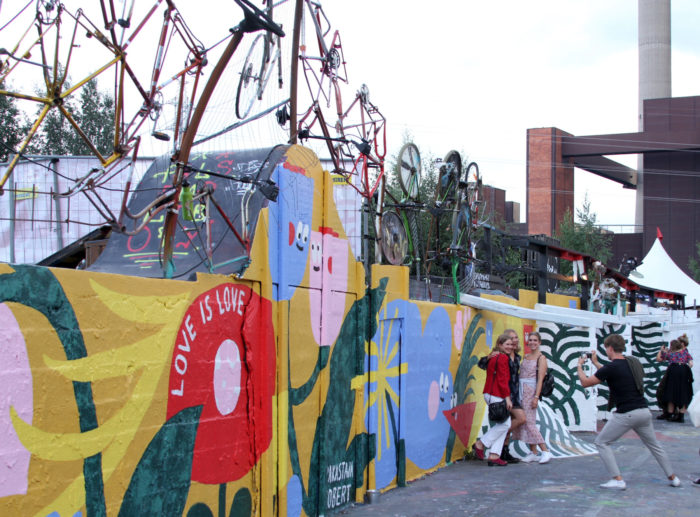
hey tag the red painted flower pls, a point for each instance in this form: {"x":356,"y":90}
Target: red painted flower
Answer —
{"x":224,"y":360}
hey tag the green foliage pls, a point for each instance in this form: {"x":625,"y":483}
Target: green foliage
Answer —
{"x":515,"y":279}
{"x":694,"y":265}
{"x":96,"y":118}
{"x":584,"y":236}
{"x":10,"y":125}
{"x":93,"y":112}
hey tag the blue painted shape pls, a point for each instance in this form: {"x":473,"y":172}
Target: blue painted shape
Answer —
{"x":572,"y":304}
{"x":289,"y":230}
{"x":429,"y":385}
{"x":294,"y":497}
{"x":489,"y":333}
{"x":383,"y":412}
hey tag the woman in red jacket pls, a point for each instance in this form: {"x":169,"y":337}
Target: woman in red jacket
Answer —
{"x":496,"y":388}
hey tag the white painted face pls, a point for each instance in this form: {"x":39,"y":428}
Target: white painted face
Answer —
{"x":445,"y":380}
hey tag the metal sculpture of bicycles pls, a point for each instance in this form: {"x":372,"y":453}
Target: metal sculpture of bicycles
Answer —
{"x":456,"y":208}
{"x":262,"y":61}
{"x":53,"y":54}
{"x":58,"y":50}
{"x":355,"y":135}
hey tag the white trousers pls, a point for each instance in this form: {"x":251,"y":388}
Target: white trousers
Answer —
{"x":496,"y":435}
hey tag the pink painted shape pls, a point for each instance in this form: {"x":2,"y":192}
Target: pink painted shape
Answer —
{"x":16,"y":384}
{"x":433,"y":400}
{"x":315,"y":283}
{"x":227,"y":377}
{"x":335,"y":283}
{"x":328,"y":279}
{"x":460,"y":327}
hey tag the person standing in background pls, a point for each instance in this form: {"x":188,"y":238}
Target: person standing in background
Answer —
{"x":678,"y":389}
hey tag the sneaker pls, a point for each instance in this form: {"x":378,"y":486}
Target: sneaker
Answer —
{"x":546,"y":456}
{"x":697,"y":483}
{"x":498,"y":462}
{"x":615,"y":484}
{"x":675,"y":482}
{"x":531,"y":458}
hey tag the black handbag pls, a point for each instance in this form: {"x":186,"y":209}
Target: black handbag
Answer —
{"x":498,"y":411}
{"x":547,"y":381}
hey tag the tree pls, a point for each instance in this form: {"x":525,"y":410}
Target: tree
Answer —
{"x":693,"y":264}
{"x":96,"y":119}
{"x":585,"y":236}
{"x":94,"y":113}
{"x":10,"y":126}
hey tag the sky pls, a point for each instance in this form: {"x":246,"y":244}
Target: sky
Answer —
{"x":475,"y":75}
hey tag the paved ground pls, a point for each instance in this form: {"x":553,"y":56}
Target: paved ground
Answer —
{"x":565,"y":487}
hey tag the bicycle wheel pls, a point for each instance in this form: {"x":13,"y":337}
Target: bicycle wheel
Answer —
{"x":249,"y":84}
{"x":461,"y":229}
{"x":474,"y":190}
{"x":450,"y":175}
{"x":410,"y":170}
{"x":394,"y":241}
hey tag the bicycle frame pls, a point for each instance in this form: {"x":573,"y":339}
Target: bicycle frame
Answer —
{"x":125,"y":134}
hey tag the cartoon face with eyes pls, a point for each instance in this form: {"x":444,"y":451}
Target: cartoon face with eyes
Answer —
{"x":289,"y":229}
{"x":316,"y":255}
{"x":328,"y":278}
{"x":446,"y":400}
{"x":299,"y":235}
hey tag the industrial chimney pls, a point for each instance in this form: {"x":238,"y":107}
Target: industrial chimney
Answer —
{"x":654,"y":31}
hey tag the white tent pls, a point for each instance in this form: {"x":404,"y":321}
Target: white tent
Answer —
{"x":661,"y":272}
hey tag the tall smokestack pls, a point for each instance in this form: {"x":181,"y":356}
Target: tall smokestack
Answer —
{"x":654,"y":32}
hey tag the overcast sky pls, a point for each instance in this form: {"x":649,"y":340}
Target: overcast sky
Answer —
{"x":474,"y":75}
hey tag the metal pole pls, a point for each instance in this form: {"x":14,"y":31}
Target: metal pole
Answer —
{"x":57,"y":201}
{"x":13,"y":205}
{"x":298,"y":13}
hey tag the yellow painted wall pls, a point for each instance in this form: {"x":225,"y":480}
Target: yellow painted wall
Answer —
{"x":179,"y":397}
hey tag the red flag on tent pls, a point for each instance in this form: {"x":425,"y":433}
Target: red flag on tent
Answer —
{"x":659,"y":235}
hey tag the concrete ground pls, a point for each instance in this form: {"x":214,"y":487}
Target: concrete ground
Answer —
{"x":565,"y":487}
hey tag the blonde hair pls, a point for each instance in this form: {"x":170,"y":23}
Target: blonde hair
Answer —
{"x":512,"y":331}
{"x":683,"y":340}
{"x":502,"y":339}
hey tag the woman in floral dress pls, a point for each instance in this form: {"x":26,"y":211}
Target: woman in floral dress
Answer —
{"x":678,"y":391}
{"x":530,"y":387}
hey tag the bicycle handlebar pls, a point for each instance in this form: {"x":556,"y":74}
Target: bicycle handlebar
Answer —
{"x":255,"y":19}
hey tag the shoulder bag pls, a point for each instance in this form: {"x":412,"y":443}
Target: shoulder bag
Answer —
{"x":547,"y":382}
{"x":498,"y":411}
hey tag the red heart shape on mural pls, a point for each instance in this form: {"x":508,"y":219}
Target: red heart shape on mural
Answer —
{"x":224,"y":360}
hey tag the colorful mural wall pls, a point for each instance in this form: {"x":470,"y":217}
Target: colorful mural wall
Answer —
{"x":288,"y":391}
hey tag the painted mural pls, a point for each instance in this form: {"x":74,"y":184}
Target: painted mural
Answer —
{"x":289,"y":390}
